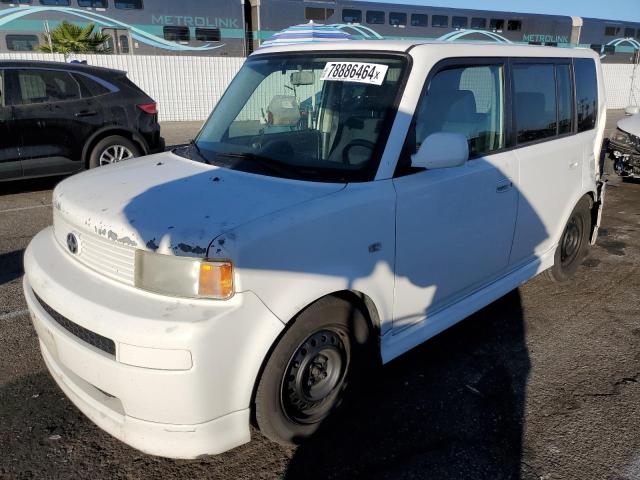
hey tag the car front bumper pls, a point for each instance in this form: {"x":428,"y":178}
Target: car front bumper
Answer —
{"x":180,"y":379}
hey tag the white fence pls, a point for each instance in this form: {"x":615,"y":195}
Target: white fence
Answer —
{"x":187,"y":88}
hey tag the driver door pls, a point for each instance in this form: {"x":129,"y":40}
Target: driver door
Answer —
{"x":454,"y":226}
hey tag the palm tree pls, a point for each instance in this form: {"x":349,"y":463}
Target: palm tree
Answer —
{"x":69,"y":38}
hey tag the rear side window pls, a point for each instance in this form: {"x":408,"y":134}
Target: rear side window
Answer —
{"x":46,"y":86}
{"x":586,"y":93}
{"x":535,"y":101}
{"x":467,"y":100}
{"x":90,"y":87}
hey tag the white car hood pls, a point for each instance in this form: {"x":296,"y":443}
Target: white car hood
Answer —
{"x":173,"y":205}
{"x":630,"y":125}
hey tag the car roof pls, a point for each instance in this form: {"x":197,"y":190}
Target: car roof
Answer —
{"x":76,"y":67}
{"x":458,"y":48}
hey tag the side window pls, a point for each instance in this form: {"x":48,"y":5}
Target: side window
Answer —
{"x":129,"y":4}
{"x":478,"y":23}
{"x":93,"y":3}
{"x":459,"y":22}
{"x":496,"y":25}
{"x":22,"y":43}
{"x":176,"y":34}
{"x":56,"y":2}
{"x":565,"y":99}
{"x":586,"y":93}
{"x":514,"y":25}
{"x":350,"y":15}
{"x":1,"y":88}
{"x":44,"y":86}
{"x":535,"y":101}
{"x":375,"y":17}
{"x":441,"y":21}
{"x":397,"y":19}
{"x":467,"y":100}
{"x":419,"y":20}
{"x":89,"y":87}
{"x":209,"y":34}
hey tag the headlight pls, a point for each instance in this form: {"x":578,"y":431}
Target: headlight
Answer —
{"x":622,"y":137}
{"x":183,"y":276}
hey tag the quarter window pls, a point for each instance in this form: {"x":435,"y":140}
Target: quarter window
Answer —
{"x":93,"y":3}
{"x":22,"y":43}
{"x":375,"y":17}
{"x":439,"y":21}
{"x":565,"y":99}
{"x":398,"y":19}
{"x":350,"y":15}
{"x":478,"y":23}
{"x":459,"y":22}
{"x":586,"y":93}
{"x":467,"y":100}
{"x":129,"y":4}
{"x":208,"y":34}
{"x":419,"y":20}
{"x":46,"y":86}
{"x":514,"y":25}
{"x":176,"y":34}
{"x":535,"y":101}
{"x":496,"y":25}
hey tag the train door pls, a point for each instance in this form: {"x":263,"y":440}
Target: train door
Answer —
{"x":120,"y":40}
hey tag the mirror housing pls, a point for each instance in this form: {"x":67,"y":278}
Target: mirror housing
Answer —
{"x":302,"y":77}
{"x":442,"y":150}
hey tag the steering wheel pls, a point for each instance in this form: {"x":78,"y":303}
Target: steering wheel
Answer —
{"x":355,"y":143}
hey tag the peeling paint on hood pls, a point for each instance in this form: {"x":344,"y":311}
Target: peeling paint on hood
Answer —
{"x":173,"y":205}
{"x":630,"y":125}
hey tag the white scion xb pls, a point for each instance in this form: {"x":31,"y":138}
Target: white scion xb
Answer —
{"x":343,"y":203}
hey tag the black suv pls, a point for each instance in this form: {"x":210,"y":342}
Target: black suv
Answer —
{"x":59,"y":118}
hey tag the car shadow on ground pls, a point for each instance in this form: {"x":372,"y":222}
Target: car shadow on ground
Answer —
{"x":29,"y":185}
{"x":450,"y":409}
{"x":11,"y":266}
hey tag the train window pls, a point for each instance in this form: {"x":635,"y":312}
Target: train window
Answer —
{"x":611,"y":31}
{"x":20,"y":2}
{"x":93,"y":3}
{"x":629,"y":32}
{"x":459,"y":22}
{"x":22,"y":43}
{"x":514,"y":25}
{"x":129,"y":4}
{"x":564,"y":87}
{"x":478,"y":23}
{"x":535,"y":101}
{"x":496,"y":25}
{"x":586,"y":93}
{"x":419,"y":20}
{"x":439,"y":21}
{"x":375,"y":17}
{"x":176,"y":34}
{"x":123,"y":41}
{"x":596,"y":47}
{"x":314,"y":13}
{"x":1,"y":88}
{"x":349,"y":15}
{"x":62,"y":3}
{"x":397,"y":19}
{"x":208,"y":34}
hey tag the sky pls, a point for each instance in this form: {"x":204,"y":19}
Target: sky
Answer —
{"x":628,"y":10}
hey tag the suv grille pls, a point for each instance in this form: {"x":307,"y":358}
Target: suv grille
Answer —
{"x":103,"y":343}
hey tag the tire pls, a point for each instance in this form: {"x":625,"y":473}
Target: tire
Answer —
{"x":574,"y":243}
{"x":306,"y":377}
{"x":115,"y":146}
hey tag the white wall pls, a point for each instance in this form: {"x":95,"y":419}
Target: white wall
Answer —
{"x":187,"y":88}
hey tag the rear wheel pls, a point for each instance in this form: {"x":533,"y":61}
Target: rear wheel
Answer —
{"x":306,"y":377}
{"x":574,"y":243}
{"x":112,"y":149}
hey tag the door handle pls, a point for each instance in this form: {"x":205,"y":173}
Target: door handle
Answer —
{"x":573,"y":165}
{"x":504,"y":185}
{"x":86,"y":113}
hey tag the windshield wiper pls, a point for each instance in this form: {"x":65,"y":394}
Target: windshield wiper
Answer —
{"x":280,"y":168}
{"x":194,"y":146}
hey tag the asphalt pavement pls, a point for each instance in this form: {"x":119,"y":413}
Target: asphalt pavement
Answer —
{"x":542,"y":384}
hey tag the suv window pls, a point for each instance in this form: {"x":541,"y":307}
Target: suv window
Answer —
{"x":467,"y":100}
{"x":89,"y":87}
{"x":45,"y":86}
{"x":1,"y":88}
{"x":535,"y":101}
{"x":565,"y":99}
{"x":586,"y":93}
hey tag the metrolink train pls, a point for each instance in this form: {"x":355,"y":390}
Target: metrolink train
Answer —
{"x":237,"y":27}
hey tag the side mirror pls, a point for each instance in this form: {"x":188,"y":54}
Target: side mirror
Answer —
{"x":441,"y":150}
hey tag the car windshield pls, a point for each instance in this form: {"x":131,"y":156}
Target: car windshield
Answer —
{"x":317,"y":116}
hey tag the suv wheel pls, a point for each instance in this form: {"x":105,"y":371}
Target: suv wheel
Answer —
{"x":112,"y":149}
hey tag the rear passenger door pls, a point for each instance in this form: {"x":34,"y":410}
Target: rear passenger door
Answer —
{"x":51,"y":115}
{"x":9,"y":155}
{"x":549,"y":154}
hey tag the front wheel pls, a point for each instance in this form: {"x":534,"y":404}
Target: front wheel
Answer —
{"x":574,"y":243}
{"x":306,"y":377}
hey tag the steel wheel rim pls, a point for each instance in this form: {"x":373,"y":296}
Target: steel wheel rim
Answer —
{"x":315,"y":373}
{"x":571,"y":240}
{"x":115,"y":154}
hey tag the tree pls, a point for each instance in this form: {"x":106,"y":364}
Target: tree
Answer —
{"x":68,"y":38}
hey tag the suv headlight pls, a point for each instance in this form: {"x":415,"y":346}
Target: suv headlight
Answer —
{"x":183,"y":276}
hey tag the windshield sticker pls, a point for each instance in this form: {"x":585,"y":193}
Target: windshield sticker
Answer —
{"x":371,"y":73}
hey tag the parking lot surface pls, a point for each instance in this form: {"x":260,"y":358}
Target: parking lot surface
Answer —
{"x":542,"y":384}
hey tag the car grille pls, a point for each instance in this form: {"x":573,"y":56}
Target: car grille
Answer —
{"x":98,"y":341}
{"x":105,"y":256}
